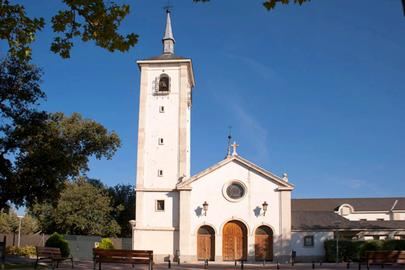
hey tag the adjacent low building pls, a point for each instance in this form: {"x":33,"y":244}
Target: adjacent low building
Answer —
{"x":317,"y":220}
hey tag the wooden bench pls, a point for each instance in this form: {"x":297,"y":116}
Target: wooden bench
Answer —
{"x":3,"y":252}
{"x":52,"y":255}
{"x":122,"y":256}
{"x":383,"y":257}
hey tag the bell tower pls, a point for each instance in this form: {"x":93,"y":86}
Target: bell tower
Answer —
{"x":163,"y":158}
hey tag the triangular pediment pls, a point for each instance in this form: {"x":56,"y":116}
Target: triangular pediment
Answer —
{"x":280,"y":182}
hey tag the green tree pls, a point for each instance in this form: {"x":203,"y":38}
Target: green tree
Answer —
{"x":44,"y":213}
{"x":123,"y":203}
{"x":93,"y":20}
{"x":82,"y":209}
{"x":38,"y":150}
{"x":271,"y":4}
{"x":9,"y":223}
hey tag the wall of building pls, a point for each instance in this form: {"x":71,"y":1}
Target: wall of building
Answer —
{"x":150,"y":217}
{"x":316,"y":252}
{"x":173,"y":125}
{"x":368,"y":216}
{"x":210,"y":188}
{"x":398,"y":215}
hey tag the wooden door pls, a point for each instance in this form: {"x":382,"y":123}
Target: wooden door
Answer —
{"x":206,"y":243}
{"x":234,"y":241}
{"x":264,"y":244}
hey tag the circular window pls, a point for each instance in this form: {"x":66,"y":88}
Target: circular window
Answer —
{"x":234,"y":191}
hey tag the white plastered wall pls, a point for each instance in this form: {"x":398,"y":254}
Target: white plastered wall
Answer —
{"x":159,"y":230}
{"x":309,"y":253}
{"x":173,"y":125}
{"x":368,"y":216}
{"x":209,"y":188}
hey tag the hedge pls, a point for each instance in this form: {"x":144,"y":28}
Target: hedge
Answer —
{"x":353,"y":250}
{"x":58,"y":241}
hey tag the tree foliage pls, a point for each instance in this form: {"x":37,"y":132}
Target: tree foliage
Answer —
{"x":123,"y":203}
{"x":9,"y":223}
{"x":40,"y":151}
{"x":94,"y":20}
{"x":270,"y":4}
{"x":82,"y":209}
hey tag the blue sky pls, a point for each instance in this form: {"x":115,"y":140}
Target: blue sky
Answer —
{"x":316,"y":91}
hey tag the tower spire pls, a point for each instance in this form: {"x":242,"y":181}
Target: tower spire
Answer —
{"x":168,"y":39}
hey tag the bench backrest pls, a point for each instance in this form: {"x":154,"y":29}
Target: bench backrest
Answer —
{"x":97,"y":252}
{"x":3,"y":249}
{"x":48,"y":252}
{"x":394,"y":256}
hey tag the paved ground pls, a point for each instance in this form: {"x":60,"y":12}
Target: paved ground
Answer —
{"x":88,"y":265}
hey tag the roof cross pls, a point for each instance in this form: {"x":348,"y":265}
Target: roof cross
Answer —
{"x":234,"y":146}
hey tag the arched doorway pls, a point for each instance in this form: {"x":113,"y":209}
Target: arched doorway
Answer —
{"x":206,"y":243}
{"x":264,"y":243}
{"x":234,"y":241}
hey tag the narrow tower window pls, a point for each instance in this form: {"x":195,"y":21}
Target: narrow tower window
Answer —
{"x":164,"y":84}
{"x":162,"y":109}
{"x":161,"y":141}
{"x":160,"y":173}
{"x":160,"y":205}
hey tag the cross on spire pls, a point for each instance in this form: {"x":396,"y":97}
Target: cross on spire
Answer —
{"x":234,"y":146}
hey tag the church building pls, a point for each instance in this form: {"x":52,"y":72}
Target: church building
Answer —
{"x":233,"y":210}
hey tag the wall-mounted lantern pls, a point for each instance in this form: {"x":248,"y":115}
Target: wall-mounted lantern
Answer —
{"x":265,"y":204}
{"x":205,"y":208}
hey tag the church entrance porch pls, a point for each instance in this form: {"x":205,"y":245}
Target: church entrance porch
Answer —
{"x":264,"y":244}
{"x":206,"y":243}
{"x":234,"y":241}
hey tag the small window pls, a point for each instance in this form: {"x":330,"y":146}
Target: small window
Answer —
{"x":164,"y":83}
{"x":160,"y":173}
{"x":309,"y":241}
{"x":160,"y":205}
{"x":161,"y":141}
{"x":161,"y":109}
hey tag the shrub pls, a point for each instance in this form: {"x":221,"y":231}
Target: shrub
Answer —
{"x":371,"y":245}
{"x":58,"y":241}
{"x":106,"y":243}
{"x":21,"y":251}
{"x":12,"y":250}
{"x":393,"y":245}
{"x":354,"y":250}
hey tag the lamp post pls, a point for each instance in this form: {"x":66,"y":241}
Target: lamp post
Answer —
{"x":133,"y":224}
{"x":264,"y":205}
{"x":19,"y":230}
{"x":205,"y":208}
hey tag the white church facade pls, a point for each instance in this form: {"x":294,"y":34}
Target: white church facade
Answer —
{"x":233,"y":210}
